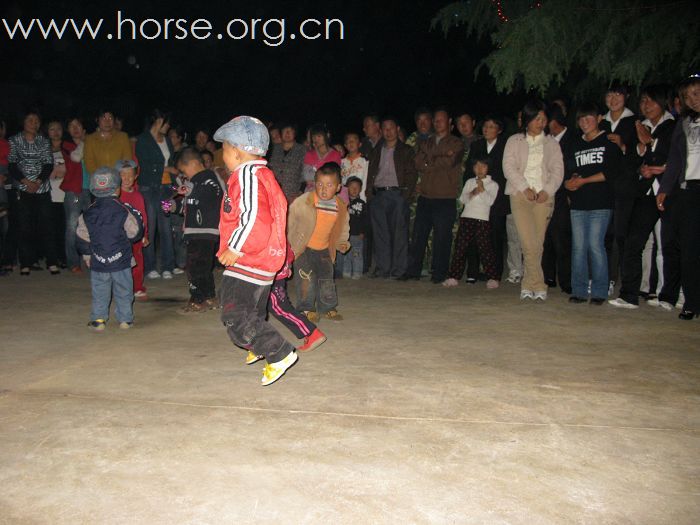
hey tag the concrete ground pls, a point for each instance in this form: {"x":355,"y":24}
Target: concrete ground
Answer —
{"x":426,"y":405}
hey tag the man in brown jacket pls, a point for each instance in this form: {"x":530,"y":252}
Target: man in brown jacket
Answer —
{"x":438,"y":162}
{"x":391,"y":182}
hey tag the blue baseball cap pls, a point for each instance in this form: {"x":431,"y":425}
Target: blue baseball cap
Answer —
{"x":245,"y":133}
{"x":104,"y":182}
{"x":125,"y":164}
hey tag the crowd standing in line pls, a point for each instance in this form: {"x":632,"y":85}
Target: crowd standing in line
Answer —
{"x":603,"y":204}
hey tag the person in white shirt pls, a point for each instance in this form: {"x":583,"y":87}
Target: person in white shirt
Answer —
{"x":478,"y":196}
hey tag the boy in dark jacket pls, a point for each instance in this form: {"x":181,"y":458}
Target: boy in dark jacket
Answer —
{"x":201,"y":204}
{"x":106,"y":232}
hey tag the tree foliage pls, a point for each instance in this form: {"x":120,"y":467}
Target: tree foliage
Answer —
{"x":540,"y":44}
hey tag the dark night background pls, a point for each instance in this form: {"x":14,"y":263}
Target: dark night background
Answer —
{"x":390,"y":62}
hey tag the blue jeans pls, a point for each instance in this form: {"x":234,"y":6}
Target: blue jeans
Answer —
{"x":158,"y":222}
{"x":352,"y":263}
{"x":112,"y":285}
{"x":588,"y":242}
{"x":74,"y":204}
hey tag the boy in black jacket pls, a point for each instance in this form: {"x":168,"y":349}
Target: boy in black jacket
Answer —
{"x":201,"y":204}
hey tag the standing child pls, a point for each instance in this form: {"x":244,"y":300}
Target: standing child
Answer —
{"x":319,"y":225}
{"x":131,"y":196}
{"x":354,"y":164}
{"x":478,"y":196}
{"x":201,"y":205}
{"x":252,"y":244}
{"x":351,"y":264}
{"x":106,"y":232}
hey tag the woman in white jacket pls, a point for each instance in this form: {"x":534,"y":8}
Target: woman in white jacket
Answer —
{"x":534,"y":170}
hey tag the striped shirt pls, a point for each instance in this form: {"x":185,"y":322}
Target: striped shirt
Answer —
{"x":30,"y":158}
{"x":326,"y":215}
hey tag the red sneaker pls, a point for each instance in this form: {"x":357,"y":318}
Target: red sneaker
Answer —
{"x":316,"y":339}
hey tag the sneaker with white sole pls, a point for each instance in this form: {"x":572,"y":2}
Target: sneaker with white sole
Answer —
{"x":513,"y":278}
{"x":178,"y":271}
{"x":167,"y":275}
{"x":492,"y":284}
{"x":153,"y":275}
{"x":273,"y":371}
{"x":140,"y":295}
{"x":540,"y":296}
{"x":125,"y":326}
{"x":526,"y":294}
{"x":621,"y":303}
{"x":665,"y":305}
{"x":653,"y":302}
{"x":449,"y":283}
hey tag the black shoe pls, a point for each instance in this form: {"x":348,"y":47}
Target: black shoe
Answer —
{"x":577,"y":300}
{"x":471,"y":280}
{"x":551,"y":283}
{"x":567,"y":291}
{"x":687,"y":315}
{"x":597,"y":301}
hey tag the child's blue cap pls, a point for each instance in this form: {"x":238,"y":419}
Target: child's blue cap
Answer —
{"x":245,"y":133}
{"x":104,"y":182}
{"x":125,"y":164}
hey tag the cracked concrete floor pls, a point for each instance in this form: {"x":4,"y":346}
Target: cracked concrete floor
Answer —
{"x":426,"y":405}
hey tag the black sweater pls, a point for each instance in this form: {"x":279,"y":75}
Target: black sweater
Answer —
{"x":626,"y":178}
{"x":202,"y":206}
{"x":589,"y":158}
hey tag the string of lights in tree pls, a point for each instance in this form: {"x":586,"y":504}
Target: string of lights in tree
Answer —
{"x":502,"y":15}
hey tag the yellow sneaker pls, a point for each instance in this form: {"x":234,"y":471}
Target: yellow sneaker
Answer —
{"x":273,"y":371}
{"x":333,"y":315}
{"x":252,"y":357}
{"x":312,"y":316}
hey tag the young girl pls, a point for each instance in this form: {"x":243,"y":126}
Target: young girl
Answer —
{"x":593,"y":162}
{"x":320,"y":153}
{"x":478,"y":195}
{"x":353,"y":165}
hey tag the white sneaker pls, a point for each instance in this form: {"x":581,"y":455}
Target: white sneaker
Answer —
{"x":492,"y":284}
{"x":124,"y":325}
{"x":540,"y":296}
{"x":167,"y":275}
{"x":653,"y":302}
{"x":513,"y":278}
{"x":153,"y":275}
{"x":448,"y":283}
{"x":178,"y":271}
{"x":664,"y":305}
{"x":526,"y":294}
{"x":140,"y":294}
{"x":621,"y":303}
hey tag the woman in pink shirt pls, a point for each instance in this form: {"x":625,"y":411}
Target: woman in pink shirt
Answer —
{"x":320,"y":153}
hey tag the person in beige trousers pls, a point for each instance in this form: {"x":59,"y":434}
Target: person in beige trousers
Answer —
{"x":534,"y":170}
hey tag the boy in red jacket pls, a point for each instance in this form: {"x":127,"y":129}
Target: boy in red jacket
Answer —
{"x":252,"y":244}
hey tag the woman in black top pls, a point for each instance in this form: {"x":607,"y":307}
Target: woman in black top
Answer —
{"x":650,"y":153}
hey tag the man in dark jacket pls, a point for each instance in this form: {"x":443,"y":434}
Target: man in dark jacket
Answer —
{"x":391,"y":183}
{"x":439,"y":163}
{"x":201,"y":204}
